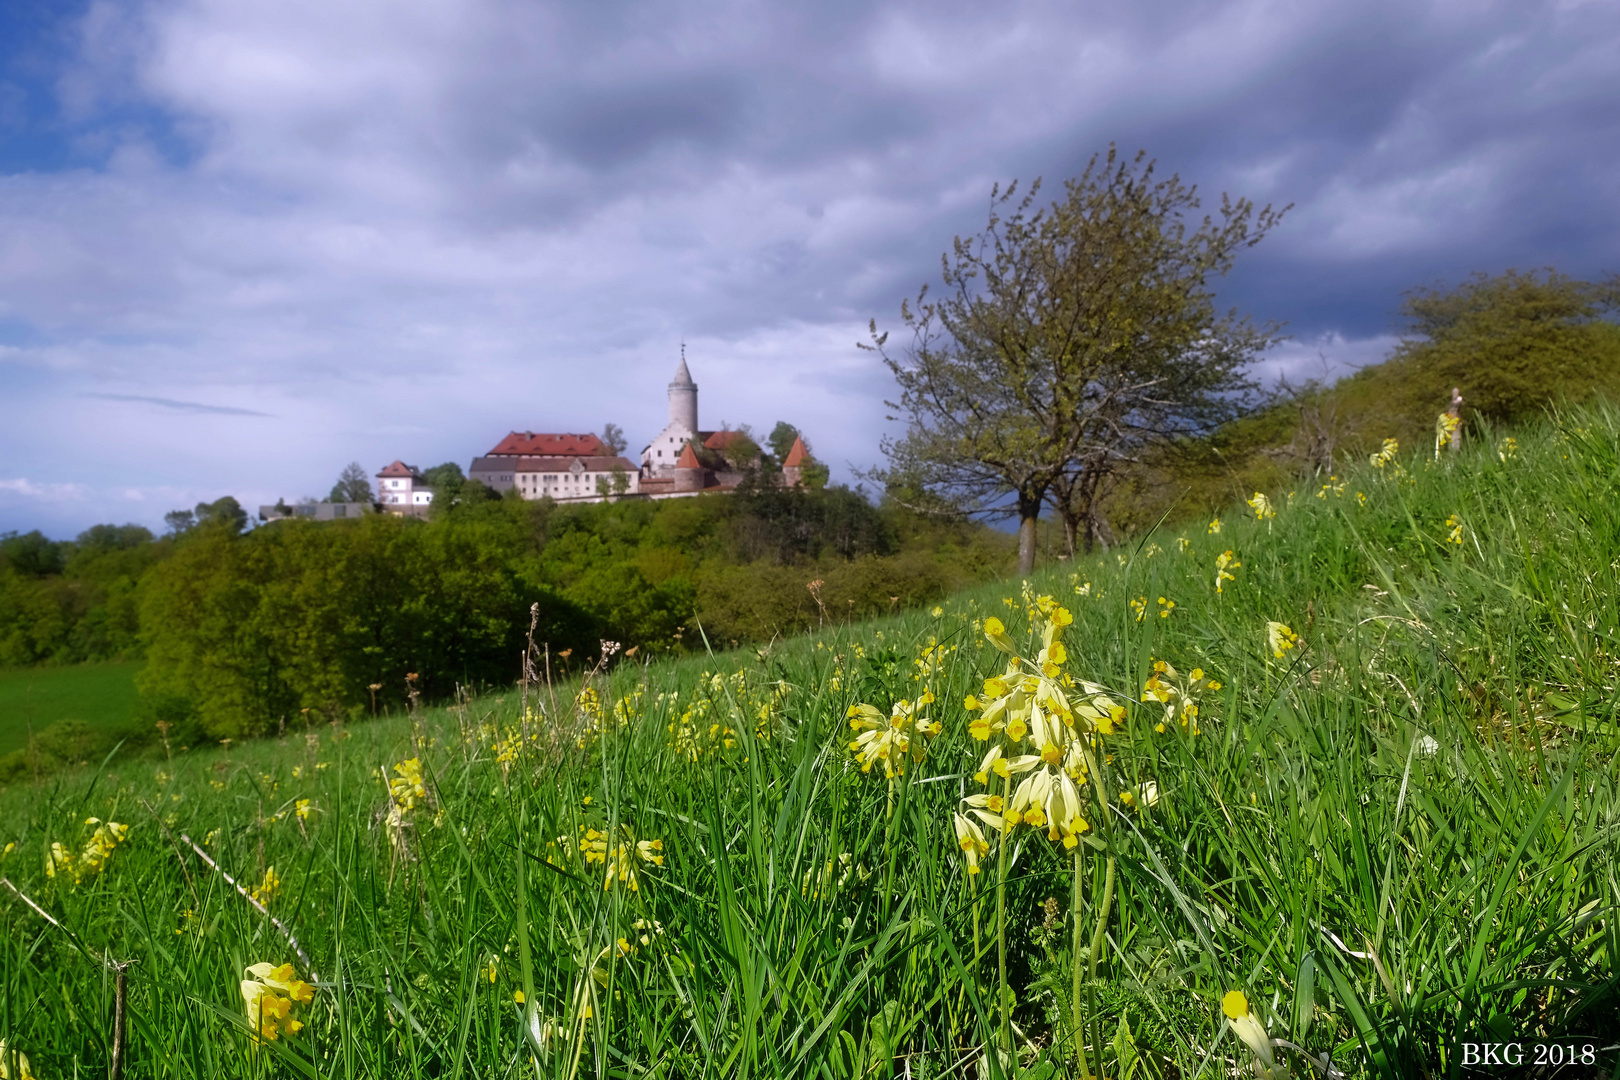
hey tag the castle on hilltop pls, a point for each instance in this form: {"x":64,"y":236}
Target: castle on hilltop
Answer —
{"x":681,"y":460}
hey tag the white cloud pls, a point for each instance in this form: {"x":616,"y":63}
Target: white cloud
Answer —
{"x":48,"y":492}
{"x":1322,"y":358}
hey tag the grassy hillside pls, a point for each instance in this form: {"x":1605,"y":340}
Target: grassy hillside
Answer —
{"x":1389,"y":832}
{"x":99,"y":696}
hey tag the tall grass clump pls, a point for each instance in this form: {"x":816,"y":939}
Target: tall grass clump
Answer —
{"x":1325,"y":784}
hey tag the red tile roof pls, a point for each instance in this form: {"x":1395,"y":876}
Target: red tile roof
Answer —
{"x":797,"y":454}
{"x":542,"y":444}
{"x":398,"y":468}
{"x":688,"y":460}
{"x":722,"y":440}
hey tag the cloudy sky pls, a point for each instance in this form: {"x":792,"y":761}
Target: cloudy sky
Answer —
{"x":245,"y":243}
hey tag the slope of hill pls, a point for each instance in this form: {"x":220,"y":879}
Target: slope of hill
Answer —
{"x":1343,"y":771}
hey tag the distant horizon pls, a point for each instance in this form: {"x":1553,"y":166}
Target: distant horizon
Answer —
{"x":242,"y":246}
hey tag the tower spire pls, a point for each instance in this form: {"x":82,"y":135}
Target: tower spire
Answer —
{"x":683,"y":396}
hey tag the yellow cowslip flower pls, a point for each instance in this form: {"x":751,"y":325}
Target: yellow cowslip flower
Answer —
{"x":1166,"y":607}
{"x":1063,"y":819}
{"x":1261,"y":507}
{"x":1146,"y":794}
{"x":1247,"y":1027}
{"x":1028,"y":803}
{"x":1386,"y":454}
{"x":492,"y":968}
{"x":1361,"y":500}
{"x":993,"y":810}
{"x":1454,"y":523}
{"x":1280,"y":639}
{"x":1139,"y":605}
{"x":303,"y":808}
{"x":269,"y":998}
{"x":1182,"y":543}
{"x":937,"y":612}
{"x":995,"y":632}
{"x":1507,"y":448}
{"x":1225,"y":563}
{"x":14,"y":1063}
{"x":997,"y":762}
{"x":1215,"y":527}
{"x":971,"y":841}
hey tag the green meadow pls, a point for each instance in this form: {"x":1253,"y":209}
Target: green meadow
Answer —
{"x":1334,"y":813}
{"x":100,"y":696}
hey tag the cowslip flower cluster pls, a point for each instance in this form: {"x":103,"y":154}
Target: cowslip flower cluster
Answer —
{"x":622,"y":860}
{"x":1261,"y":506}
{"x":1385,"y":455}
{"x":1280,"y":639}
{"x":406,"y":789}
{"x":269,"y":888}
{"x":1445,"y":426}
{"x":1507,"y":448}
{"x":932,"y":659}
{"x":1178,"y":695}
{"x":1225,"y":563}
{"x":1454,"y":523}
{"x":269,"y":996}
{"x":708,"y":722}
{"x":97,"y":850}
{"x":1040,"y":723}
{"x":891,"y":739}
{"x":1334,"y":485}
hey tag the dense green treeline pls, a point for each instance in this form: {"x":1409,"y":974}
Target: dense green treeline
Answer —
{"x":68,"y":602}
{"x":244,"y":631}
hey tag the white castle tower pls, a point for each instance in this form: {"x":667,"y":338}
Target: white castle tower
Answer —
{"x":683,"y":397}
{"x":659,"y":458}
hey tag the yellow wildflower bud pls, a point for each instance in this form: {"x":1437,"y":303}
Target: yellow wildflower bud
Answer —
{"x":996,"y":633}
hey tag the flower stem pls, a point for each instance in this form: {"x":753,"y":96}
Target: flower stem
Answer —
{"x":1102,"y":918}
{"x":1079,"y":1030}
{"x":1001,"y":916}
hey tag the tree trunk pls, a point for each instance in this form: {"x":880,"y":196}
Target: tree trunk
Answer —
{"x":1068,"y":536}
{"x":1029,"y":512}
